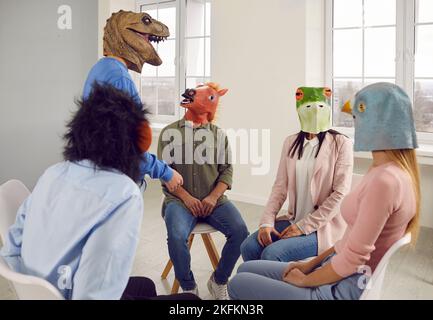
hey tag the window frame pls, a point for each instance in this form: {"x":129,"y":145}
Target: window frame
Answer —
{"x":181,"y":37}
{"x":405,"y":54}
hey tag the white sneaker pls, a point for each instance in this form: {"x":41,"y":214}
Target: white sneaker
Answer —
{"x":218,"y":291}
{"x":193,"y":291}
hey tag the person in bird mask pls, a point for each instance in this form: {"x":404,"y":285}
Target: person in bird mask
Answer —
{"x":380,"y":210}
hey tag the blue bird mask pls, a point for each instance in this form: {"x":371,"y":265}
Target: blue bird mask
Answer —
{"x":383,"y":118}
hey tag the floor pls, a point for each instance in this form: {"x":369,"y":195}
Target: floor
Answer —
{"x":410,"y":274}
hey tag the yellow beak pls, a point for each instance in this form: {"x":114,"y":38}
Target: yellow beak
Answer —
{"x":347,"y":108}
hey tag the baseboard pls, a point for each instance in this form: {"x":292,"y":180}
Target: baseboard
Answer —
{"x":250,"y":199}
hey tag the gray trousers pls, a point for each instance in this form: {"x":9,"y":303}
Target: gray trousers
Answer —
{"x":263,"y":280}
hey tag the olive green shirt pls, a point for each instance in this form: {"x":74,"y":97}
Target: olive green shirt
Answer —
{"x":201,"y":155}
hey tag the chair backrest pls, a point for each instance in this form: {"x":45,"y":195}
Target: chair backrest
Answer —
{"x":374,"y":285}
{"x":12,"y":195}
{"x":29,"y":287}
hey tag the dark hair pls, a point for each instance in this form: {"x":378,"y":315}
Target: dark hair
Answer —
{"x":104,"y":130}
{"x":298,"y":144}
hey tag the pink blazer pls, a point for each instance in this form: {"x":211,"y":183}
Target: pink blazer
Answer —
{"x":330,"y":184}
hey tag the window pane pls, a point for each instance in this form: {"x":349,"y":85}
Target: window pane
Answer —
{"x":423,"y":103}
{"x":367,"y":82}
{"x":380,"y":12}
{"x":208,"y":58}
{"x":151,"y":9}
{"x":425,"y":10}
{"x":166,"y":97}
{"x":348,"y":53}
{"x":149,"y":70}
{"x":380,"y":49}
{"x":167,"y":52}
{"x":168,"y":17}
{"x":424,"y":52}
{"x":149,"y":94}
{"x":195,"y":57}
{"x":195,"y":18}
{"x":194,"y":82}
{"x":347,"y":13}
{"x":208,"y":18}
{"x":344,"y":89}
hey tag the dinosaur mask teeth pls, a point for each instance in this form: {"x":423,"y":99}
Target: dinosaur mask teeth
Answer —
{"x":149,"y":37}
{"x":157,"y":39}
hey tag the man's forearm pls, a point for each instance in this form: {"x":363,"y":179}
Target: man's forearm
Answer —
{"x":181,"y":193}
{"x":219,"y":190}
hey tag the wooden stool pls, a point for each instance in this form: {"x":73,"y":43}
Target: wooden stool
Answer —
{"x":205,"y":231}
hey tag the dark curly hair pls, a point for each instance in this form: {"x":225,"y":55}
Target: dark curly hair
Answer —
{"x":104,"y":130}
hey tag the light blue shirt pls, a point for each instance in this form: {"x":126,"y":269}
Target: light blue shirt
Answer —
{"x":79,"y":230}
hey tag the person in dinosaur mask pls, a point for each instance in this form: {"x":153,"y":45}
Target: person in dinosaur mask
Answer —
{"x":128,"y":39}
{"x":315,"y":173}
{"x":379,"y":211}
{"x":199,"y":150}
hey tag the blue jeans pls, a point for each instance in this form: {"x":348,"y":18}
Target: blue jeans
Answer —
{"x":263,"y":280}
{"x":285,"y":250}
{"x":180,"y":222}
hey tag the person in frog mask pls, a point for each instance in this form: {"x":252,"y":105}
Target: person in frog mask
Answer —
{"x":315,"y":174}
{"x":379,"y":211}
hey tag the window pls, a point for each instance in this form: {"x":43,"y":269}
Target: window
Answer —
{"x":185,"y":55}
{"x":381,"y":40}
{"x":423,"y":75}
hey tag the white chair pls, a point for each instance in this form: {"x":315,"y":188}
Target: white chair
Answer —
{"x":205,"y":231}
{"x":375,"y":283}
{"x":12,"y":195}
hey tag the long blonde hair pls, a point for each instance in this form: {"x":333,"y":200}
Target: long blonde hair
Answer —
{"x":407,"y":160}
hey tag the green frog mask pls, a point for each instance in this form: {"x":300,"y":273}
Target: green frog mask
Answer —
{"x":314,"y":109}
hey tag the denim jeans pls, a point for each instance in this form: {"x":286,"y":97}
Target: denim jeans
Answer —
{"x":285,"y":250}
{"x":263,"y":280}
{"x":180,"y":222}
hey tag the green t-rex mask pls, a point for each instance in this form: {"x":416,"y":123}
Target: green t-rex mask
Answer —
{"x":129,"y":35}
{"x":314,"y":109}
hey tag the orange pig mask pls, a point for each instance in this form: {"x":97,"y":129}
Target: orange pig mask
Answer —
{"x":202,"y":103}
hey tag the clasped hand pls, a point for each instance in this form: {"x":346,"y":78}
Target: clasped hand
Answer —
{"x":201,"y":209}
{"x":265,"y":234}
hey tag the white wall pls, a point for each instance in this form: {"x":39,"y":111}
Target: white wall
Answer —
{"x":259,"y":53}
{"x":42,"y":71}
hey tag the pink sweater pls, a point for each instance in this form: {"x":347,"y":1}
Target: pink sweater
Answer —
{"x":377,"y":213}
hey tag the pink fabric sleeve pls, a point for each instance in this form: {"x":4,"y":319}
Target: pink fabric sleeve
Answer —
{"x":279,"y":190}
{"x":375,"y":207}
{"x":340,"y":186}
